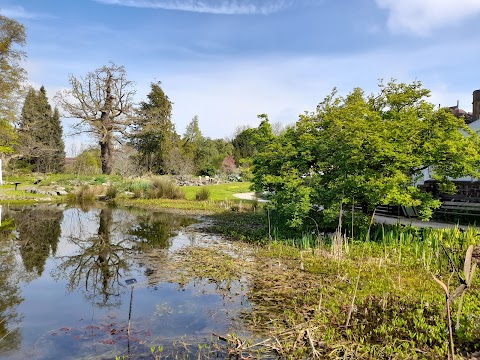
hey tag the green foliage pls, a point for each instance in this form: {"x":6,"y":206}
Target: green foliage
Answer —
{"x":8,"y":137}
{"x":112,"y":193}
{"x":205,"y":154}
{"x":243,"y":144}
{"x":208,"y":170}
{"x":248,"y":142}
{"x":369,"y":150}
{"x":374,"y":299}
{"x":153,"y":133}
{"x":41,"y":133}
{"x":88,"y":162}
{"x":12,"y":35}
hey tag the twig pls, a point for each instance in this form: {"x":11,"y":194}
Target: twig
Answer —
{"x":353,"y":302}
{"x":316,"y":353}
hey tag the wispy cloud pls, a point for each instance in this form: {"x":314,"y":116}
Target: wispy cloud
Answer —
{"x":220,"y":7}
{"x":420,"y":17}
{"x":19,"y":12}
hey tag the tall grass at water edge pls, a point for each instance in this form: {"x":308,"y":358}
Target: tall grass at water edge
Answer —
{"x":432,"y":249}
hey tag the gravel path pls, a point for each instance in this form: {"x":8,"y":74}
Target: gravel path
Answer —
{"x":248,"y":196}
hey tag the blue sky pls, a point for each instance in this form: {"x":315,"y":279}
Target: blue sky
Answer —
{"x":229,"y":60}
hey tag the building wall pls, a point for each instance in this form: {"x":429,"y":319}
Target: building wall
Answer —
{"x":476,"y":105}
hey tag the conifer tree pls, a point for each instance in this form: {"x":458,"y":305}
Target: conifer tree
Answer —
{"x":41,"y":133}
{"x":153,"y":133}
{"x":58,"y":157}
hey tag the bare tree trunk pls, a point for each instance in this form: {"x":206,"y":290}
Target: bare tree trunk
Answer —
{"x":106,"y":147}
{"x":106,"y":155}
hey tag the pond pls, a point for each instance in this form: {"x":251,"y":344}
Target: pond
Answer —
{"x":98,"y":284}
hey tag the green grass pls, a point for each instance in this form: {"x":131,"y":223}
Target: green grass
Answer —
{"x":372,"y":298}
{"x":218,"y":192}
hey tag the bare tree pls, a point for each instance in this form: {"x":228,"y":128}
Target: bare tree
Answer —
{"x":102,"y":101}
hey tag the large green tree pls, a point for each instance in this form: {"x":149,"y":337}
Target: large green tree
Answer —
{"x":249,"y":141}
{"x":205,"y":153}
{"x":12,"y":75}
{"x":369,"y":150}
{"x":41,"y":133}
{"x":103,"y":101}
{"x":153,"y":133}
{"x":12,"y":36}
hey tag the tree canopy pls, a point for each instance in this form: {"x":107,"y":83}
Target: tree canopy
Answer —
{"x":369,"y":150}
{"x":12,"y":38}
{"x":103,"y":101}
{"x":41,"y":133}
{"x":153,"y":133}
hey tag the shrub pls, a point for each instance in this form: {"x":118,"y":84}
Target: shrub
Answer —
{"x":203,"y":194}
{"x":85,"y":195}
{"x":138,"y":186}
{"x":207,"y":171}
{"x":164,"y":188}
{"x":112,"y":192}
{"x":137,"y":193}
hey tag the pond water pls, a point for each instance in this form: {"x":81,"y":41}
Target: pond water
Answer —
{"x":70,"y":280}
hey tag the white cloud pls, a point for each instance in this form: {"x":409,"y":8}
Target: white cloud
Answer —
{"x":422,"y":16}
{"x":220,"y":7}
{"x":19,"y":12}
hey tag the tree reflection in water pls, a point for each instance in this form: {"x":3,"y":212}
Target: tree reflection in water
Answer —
{"x":38,"y":232}
{"x":155,"y":230}
{"x":103,"y":261}
{"x":32,"y":233}
{"x":100,"y":262}
{"x":10,"y":333}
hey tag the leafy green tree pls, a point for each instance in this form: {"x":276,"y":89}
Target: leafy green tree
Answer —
{"x":12,"y":36}
{"x":88,"y":162}
{"x":192,"y":138}
{"x":8,"y":137}
{"x":102,"y":100}
{"x":250,"y":141}
{"x":369,"y":150}
{"x":243,"y":144}
{"x":153,"y":134}
{"x":41,"y":133}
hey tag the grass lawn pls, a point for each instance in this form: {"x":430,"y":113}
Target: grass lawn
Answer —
{"x":218,"y":192}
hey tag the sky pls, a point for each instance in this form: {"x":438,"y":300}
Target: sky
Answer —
{"x":227,"y":61}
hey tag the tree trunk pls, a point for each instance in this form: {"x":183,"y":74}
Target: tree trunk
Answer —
{"x":106,"y":155}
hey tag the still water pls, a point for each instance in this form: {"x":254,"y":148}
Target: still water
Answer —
{"x":70,"y":279}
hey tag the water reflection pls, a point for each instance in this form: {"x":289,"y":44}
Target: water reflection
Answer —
{"x":32,"y":233}
{"x":10,"y":298}
{"x":38,"y":232}
{"x":155,"y":230}
{"x":98,"y":250}
{"x":98,"y":264}
{"x":102,"y":261}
